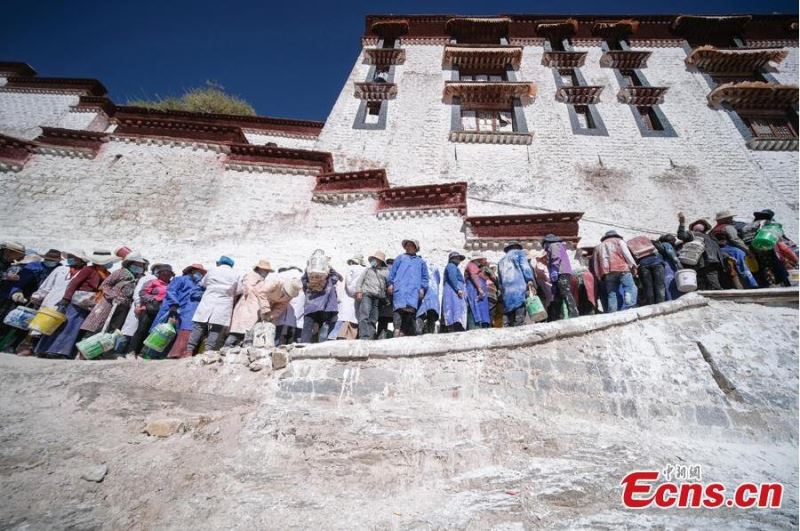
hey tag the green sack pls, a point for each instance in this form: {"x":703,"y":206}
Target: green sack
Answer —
{"x":535,"y":308}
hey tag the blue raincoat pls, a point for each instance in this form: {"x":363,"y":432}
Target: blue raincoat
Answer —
{"x":748,"y":281}
{"x":479,"y":308}
{"x":30,"y":276}
{"x":514,"y":273}
{"x":408,"y":275}
{"x":184,"y":293}
{"x":454,"y":309}
{"x":431,"y":299}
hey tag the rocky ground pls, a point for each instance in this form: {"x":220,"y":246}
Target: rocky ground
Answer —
{"x":525,"y":438}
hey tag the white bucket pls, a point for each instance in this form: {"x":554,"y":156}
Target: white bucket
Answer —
{"x":794,"y":277}
{"x":686,"y":280}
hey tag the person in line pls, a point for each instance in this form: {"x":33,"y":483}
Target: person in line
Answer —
{"x":79,"y":298}
{"x":560,"y":270}
{"x":540,"y":265}
{"x":116,"y":295}
{"x":131,"y":323}
{"x":386,"y":311}
{"x":709,"y":266}
{"x":179,"y":306}
{"x":407,"y":283}
{"x":741,"y":276}
{"x":516,"y":281}
{"x":725,"y":225}
{"x":253,"y":303}
{"x":10,"y":253}
{"x":371,"y":295}
{"x":665,"y":245}
{"x":321,"y":309}
{"x":213,"y":315}
{"x":477,"y":294}
{"x":147,"y":303}
{"x":428,"y":311}
{"x":289,"y":324}
{"x":454,"y":304}
{"x":651,"y":273}
{"x":347,"y":324}
{"x":771,"y":271}
{"x":613,"y":264}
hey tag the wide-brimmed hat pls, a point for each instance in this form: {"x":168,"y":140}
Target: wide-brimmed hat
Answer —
{"x":512,"y":245}
{"x":764,"y":214}
{"x":292,"y":287}
{"x":551,"y":238}
{"x":52,"y":254}
{"x":264,"y":264}
{"x":197,"y":267}
{"x":13,"y":246}
{"x":158,"y":268}
{"x":455,"y":254}
{"x":79,"y":254}
{"x":415,"y":242}
{"x":723,"y":214}
{"x":702,"y":222}
{"x":379,"y":255}
{"x":356,"y":259}
{"x":103,"y":257}
{"x":133,"y":256}
{"x":225,"y":260}
{"x":610,"y":234}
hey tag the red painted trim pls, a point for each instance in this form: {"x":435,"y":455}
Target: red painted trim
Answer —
{"x":17,"y":69}
{"x":178,"y":129}
{"x":354,"y":181}
{"x":256,"y":154}
{"x":524,"y":226}
{"x":651,"y":27}
{"x":90,"y":87}
{"x":55,"y":136}
{"x":15,"y":150}
{"x":265,"y":123}
{"x":425,"y":197}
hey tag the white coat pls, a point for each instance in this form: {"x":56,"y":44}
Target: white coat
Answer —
{"x":132,"y":320}
{"x":51,"y":291}
{"x":222,"y":285}
{"x":347,"y":304}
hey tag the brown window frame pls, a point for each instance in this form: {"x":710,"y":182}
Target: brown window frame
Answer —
{"x":771,"y":118}
{"x":494,"y":119}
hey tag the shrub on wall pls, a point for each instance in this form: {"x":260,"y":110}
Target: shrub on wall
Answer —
{"x":209,"y":99}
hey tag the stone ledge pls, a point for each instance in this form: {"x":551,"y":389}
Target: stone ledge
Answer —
{"x":443,"y":344}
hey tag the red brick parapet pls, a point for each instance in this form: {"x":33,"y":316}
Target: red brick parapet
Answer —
{"x":384,"y":56}
{"x":54,"y":85}
{"x":11,"y":69}
{"x":754,"y":95}
{"x":250,"y":157}
{"x":625,"y":59}
{"x":189,"y":131}
{"x":579,"y":94}
{"x":733,"y":61}
{"x":495,"y":232}
{"x":70,"y":142}
{"x":429,"y":199}
{"x":564,"y":59}
{"x":642,"y":96}
{"x":482,"y":58}
{"x":14,"y":152}
{"x":349,"y":186}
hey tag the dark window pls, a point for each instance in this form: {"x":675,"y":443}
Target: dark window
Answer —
{"x":585,"y":119}
{"x":557,"y":45}
{"x":721,"y":80}
{"x":381,"y":74}
{"x":630,"y":78}
{"x":487,"y":121}
{"x":613,"y":44}
{"x":771,"y":126}
{"x":650,"y":119}
{"x":568,"y":77}
{"x":388,"y":43}
{"x":373,"y":112}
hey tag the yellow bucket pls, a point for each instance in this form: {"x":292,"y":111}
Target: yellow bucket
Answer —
{"x":47,"y":321}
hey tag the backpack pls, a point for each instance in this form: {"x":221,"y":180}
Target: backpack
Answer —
{"x":641,"y":246}
{"x":692,"y":251}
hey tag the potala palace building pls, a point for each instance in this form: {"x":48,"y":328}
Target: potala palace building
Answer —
{"x":461,"y":132}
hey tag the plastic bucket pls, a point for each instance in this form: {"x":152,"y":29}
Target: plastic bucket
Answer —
{"x":97,"y":345}
{"x":47,"y":321}
{"x":794,"y":277}
{"x":767,"y":236}
{"x":20,"y":317}
{"x":535,"y":308}
{"x":686,"y":280}
{"x":160,"y":337}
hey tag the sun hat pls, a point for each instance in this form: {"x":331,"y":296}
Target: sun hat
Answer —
{"x":264,"y":264}
{"x":415,"y":242}
{"x":610,"y":234}
{"x":197,"y":267}
{"x":551,"y":238}
{"x":225,"y":260}
{"x":103,"y":257}
{"x":158,"y":268}
{"x":455,"y":254}
{"x":702,"y":222}
{"x":133,"y":256}
{"x":13,"y":246}
{"x":356,"y":259}
{"x":723,"y":214}
{"x":380,"y":256}
{"x":512,"y":245}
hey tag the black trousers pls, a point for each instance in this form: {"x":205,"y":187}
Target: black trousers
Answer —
{"x":405,"y":322}
{"x":563,"y":294}
{"x":652,"y":277}
{"x":514,"y":317}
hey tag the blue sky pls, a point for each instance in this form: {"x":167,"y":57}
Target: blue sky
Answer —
{"x":288,"y":59}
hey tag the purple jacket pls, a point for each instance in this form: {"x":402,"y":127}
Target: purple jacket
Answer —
{"x":325,"y":300}
{"x":558,"y":261}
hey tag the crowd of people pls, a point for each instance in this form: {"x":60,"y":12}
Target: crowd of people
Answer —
{"x":376,"y":299}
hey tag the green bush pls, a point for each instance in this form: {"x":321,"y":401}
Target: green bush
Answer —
{"x":209,"y":99}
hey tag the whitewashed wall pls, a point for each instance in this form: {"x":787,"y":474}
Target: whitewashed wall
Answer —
{"x":643,"y":182}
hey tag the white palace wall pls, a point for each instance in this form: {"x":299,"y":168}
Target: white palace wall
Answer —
{"x":180,"y":203}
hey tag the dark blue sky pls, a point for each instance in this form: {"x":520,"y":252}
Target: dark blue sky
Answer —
{"x":288,"y":59}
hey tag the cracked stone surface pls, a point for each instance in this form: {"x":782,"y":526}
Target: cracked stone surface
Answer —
{"x":525,"y":438}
